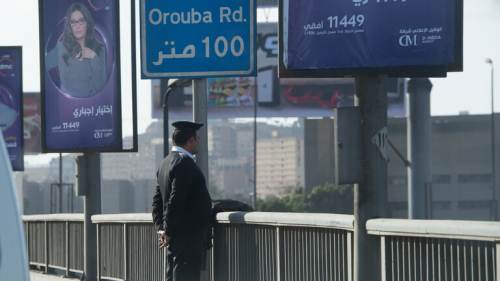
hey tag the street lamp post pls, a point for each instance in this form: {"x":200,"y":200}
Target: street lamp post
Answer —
{"x":494,"y":200}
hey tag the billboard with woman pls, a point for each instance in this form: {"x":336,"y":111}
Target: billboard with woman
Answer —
{"x":80,"y":75}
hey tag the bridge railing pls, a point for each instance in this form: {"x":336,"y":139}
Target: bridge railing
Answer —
{"x":283,"y":246}
{"x":438,"y":250}
{"x":274,"y":246}
{"x":247,"y":246}
{"x":55,"y":241}
{"x":128,"y":248}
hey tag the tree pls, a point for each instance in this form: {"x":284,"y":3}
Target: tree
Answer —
{"x":332,"y":199}
{"x":322,"y":199}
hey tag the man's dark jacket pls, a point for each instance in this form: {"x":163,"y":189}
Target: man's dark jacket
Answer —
{"x":181,"y":202}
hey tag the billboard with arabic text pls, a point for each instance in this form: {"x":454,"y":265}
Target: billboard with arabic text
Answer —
{"x":11,"y":104}
{"x":80,"y":75}
{"x":372,"y":36}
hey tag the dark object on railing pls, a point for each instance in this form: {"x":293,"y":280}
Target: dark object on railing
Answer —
{"x":224,"y":205}
{"x":229,"y":205}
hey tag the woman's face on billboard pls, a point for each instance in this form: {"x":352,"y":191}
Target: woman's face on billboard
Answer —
{"x":78,"y":25}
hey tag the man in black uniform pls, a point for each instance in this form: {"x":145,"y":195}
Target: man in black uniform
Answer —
{"x":182,"y":205}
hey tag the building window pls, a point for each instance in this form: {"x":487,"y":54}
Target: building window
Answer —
{"x":441,"y":205}
{"x":474,"y":178}
{"x":441,"y":179}
{"x":482,"y":204}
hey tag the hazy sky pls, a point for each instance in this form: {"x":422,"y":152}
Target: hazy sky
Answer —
{"x":469,"y":90}
{"x":466,"y":91}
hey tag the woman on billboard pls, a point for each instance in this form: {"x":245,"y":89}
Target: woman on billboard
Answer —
{"x":80,"y":58}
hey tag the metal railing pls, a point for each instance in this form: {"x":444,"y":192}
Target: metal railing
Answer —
{"x":128,"y":248}
{"x":248,"y":246}
{"x":282,"y":246}
{"x":274,"y":246}
{"x":437,"y":250}
{"x":55,"y":241}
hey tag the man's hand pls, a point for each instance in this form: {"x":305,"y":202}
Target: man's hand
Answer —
{"x":163,"y":239}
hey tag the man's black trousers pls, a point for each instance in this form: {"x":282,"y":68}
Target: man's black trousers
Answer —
{"x":184,"y":256}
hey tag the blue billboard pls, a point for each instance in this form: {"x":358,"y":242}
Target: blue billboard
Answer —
{"x":197,"y":38}
{"x":11,"y":104}
{"x":80,"y":75}
{"x":346,"y":34}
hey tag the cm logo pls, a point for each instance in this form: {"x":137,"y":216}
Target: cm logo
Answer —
{"x":407,"y":40}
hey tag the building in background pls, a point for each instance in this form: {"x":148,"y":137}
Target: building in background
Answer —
{"x":129,"y":179}
{"x":280,"y":166}
{"x":290,"y":157}
{"x":230,"y":153}
{"x":461,"y":165}
{"x":68,"y":168}
{"x":139,"y":165}
{"x":319,"y":152}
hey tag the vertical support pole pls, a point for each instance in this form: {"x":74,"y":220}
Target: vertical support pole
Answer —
{"x":255,"y":103}
{"x":92,"y":206}
{"x":419,"y":148}
{"x":98,"y":226}
{"x":71,"y":196}
{"x":212,"y":265}
{"x":52,"y":207}
{"x":494,"y":203}
{"x":370,"y":197}
{"x":383,"y":259}
{"x":165,"y":263}
{"x":60,"y":183}
{"x":67,"y":249}
{"x":46,"y":223}
{"x":279,"y":258}
{"x":28,"y":237}
{"x":200,"y":116}
{"x":494,"y":207}
{"x":166,"y":149}
{"x":497,"y":265}
{"x":125,"y":252}
{"x":349,"y":256}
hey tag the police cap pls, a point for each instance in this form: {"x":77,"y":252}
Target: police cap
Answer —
{"x":186,"y":125}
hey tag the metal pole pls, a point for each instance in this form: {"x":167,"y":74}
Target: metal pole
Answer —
{"x":92,"y":206}
{"x":165,"y":128}
{"x":255,"y":151}
{"x":166,"y":147}
{"x":46,"y":248}
{"x":494,"y":212}
{"x":67,"y":253}
{"x":419,"y":148}
{"x":200,"y":116}
{"x":370,"y":197}
{"x":60,"y":183}
{"x":52,"y":199}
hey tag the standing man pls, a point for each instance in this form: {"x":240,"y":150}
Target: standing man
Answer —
{"x":182,"y":206}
